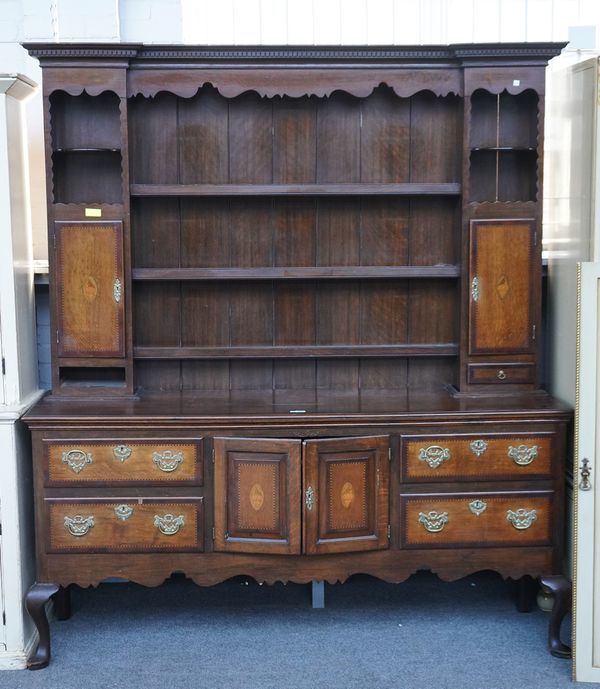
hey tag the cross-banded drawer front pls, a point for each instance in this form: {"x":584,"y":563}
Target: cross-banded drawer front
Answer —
{"x":124,"y":525}
{"x":477,"y":520}
{"x":123,"y":461}
{"x":476,"y":457}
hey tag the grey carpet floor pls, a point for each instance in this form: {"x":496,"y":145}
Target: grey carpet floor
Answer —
{"x":422,"y":634}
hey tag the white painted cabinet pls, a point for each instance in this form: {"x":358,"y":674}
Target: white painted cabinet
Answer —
{"x":18,"y":388}
{"x":572,"y":236}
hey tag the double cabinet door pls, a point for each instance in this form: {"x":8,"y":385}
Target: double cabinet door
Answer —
{"x":285,"y":496}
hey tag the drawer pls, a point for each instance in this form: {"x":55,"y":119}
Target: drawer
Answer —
{"x":117,"y":525}
{"x":498,"y":519}
{"x":477,"y":457}
{"x":150,"y":461}
{"x":501,"y":374}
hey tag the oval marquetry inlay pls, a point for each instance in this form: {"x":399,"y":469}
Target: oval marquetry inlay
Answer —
{"x":90,"y":288}
{"x":502,"y":287}
{"x":347,"y":494}
{"x":257,"y":497}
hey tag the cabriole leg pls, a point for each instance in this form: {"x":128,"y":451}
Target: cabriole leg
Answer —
{"x":35,"y":602}
{"x":562,"y":589}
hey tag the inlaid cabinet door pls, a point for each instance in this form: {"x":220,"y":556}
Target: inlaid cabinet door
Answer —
{"x":502,"y":286}
{"x":257,"y":495}
{"x":346,"y":494}
{"x":89,"y":289}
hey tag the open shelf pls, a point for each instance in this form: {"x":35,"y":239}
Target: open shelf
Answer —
{"x":298,"y":273}
{"x":297,"y":351}
{"x":406,"y":189}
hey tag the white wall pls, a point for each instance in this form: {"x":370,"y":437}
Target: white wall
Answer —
{"x":270,"y":22}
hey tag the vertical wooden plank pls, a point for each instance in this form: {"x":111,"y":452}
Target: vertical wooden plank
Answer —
{"x":436,"y":136}
{"x":155,"y":232}
{"x":429,"y":375}
{"x":459,"y":28}
{"x":251,"y":232}
{"x":205,"y":234}
{"x":294,"y":230}
{"x":203,"y":141}
{"x":513,"y":20}
{"x":433,"y":312}
{"x":539,"y":20}
{"x":251,"y":374}
{"x":294,"y":306}
{"x":205,"y":375}
{"x":338,"y":232}
{"x":385,"y":138}
{"x":153,"y":120}
{"x":338,"y":139}
{"x":251,"y":314}
{"x":383,"y":312}
{"x":205,"y":309}
{"x":383,"y":374}
{"x":294,"y":374}
{"x":384,"y":232}
{"x":158,"y":376}
{"x":337,"y":374}
{"x":434,"y":231}
{"x":295,"y":141}
{"x":156,"y":314}
{"x":486,"y":21}
{"x":250,"y":140}
{"x":338,"y":313}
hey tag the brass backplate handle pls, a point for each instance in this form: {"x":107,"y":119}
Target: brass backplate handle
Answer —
{"x":309,"y":498}
{"x":78,"y":525}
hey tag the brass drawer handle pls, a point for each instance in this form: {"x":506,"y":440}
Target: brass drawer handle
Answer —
{"x":77,"y":460}
{"x":501,"y":375}
{"x":78,"y":525}
{"x":434,"y":455}
{"x":168,"y":524}
{"x":478,"y":507}
{"x":122,"y":452}
{"x":521,"y":519}
{"x":523,"y":454}
{"x":478,"y":447}
{"x":168,"y":460}
{"x":309,"y":498}
{"x":123,"y":512}
{"x":433,"y":521}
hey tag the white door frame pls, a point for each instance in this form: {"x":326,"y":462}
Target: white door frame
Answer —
{"x":586,"y":495}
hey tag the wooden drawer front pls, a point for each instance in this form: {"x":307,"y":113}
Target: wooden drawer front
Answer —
{"x":128,"y":462}
{"x":124,"y":525}
{"x":476,"y":457}
{"x":501,"y":374}
{"x":477,"y":520}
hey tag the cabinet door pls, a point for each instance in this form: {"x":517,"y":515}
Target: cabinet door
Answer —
{"x":346,"y":494}
{"x":502,"y":286}
{"x":89,"y":289}
{"x":257,"y":495}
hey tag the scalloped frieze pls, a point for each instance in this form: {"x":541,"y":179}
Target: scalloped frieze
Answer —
{"x":294,"y":83}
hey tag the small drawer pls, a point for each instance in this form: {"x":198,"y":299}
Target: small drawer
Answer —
{"x":477,"y":457}
{"x":498,"y":374}
{"x":148,"y":461}
{"x":498,"y":519}
{"x":124,"y":525}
